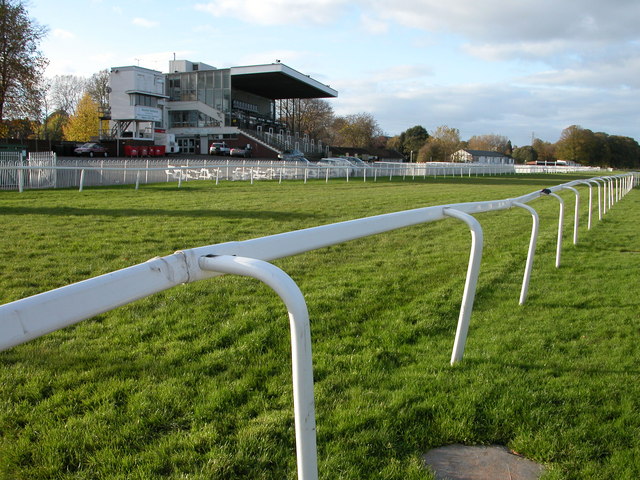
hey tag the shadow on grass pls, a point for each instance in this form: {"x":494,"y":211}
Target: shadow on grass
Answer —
{"x":534,"y":180}
{"x":147,"y":212}
{"x":548,"y":366}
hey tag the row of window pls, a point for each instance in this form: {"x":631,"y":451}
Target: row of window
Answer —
{"x":191,"y":118}
{"x":143,"y":100}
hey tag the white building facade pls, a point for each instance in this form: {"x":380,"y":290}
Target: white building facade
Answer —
{"x":481,"y":156}
{"x":200,"y":104}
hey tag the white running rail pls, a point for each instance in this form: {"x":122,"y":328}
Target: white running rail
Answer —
{"x":32,"y":317}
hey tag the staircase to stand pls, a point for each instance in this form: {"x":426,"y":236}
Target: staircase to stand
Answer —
{"x":281,"y":143}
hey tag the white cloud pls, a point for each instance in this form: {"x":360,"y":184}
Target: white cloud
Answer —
{"x":531,"y":50}
{"x":512,"y":110}
{"x":275,"y":12}
{"x":159,"y":60}
{"x":500,"y":21}
{"x":63,"y":34}
{"x":374,"y":26}
{"x":143,"y":22}
{"x":288,"y":57}
{"x":610,"y":73}
{"x":491,"y":29}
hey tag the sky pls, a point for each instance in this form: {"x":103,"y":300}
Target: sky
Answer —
{"x":516,"y":68}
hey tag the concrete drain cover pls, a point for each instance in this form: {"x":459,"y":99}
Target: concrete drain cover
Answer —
{"x":459,"y":462}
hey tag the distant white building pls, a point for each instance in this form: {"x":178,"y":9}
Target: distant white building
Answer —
{"x":466,"y":155}
{"x":137,"y":97}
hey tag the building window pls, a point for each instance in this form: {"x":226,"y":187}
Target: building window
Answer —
{"x":143,"y":100}
{"x":191,"y":118}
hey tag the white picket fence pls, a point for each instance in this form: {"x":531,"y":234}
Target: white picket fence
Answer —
{"x":30,"y":318}
{"x":45,"y":170}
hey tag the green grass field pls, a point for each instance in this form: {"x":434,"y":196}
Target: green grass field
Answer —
{"x":195,"y":382}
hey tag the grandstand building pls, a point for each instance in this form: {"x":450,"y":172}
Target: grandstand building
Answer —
{"x":201,"y":104}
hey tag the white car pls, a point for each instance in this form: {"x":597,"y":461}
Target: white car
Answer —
{"x":356,"y":162}
{"x":219,"y":148}
{"x":342,"y":166}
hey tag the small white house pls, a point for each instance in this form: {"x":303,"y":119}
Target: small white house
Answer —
{"x":481,"y":156}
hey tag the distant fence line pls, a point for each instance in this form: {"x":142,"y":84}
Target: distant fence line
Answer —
{"x":45,"y":170}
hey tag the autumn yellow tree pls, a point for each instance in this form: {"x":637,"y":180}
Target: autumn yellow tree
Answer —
{"x":85,"y":123}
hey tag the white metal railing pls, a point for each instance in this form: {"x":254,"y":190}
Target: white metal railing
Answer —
{"x":32,"y":317}
{"x":80,"y":173}
{"x":44,"y":170}
{"x":552,"y":168}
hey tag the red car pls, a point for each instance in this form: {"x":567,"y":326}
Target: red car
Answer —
{"x":91,"y":149}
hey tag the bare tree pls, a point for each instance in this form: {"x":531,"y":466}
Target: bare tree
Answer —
{"x":357,"y":130}
{"x":98,"y":88}
{"x":66,"y":91}
{"x":492,"y":143}
{"x":21,"y":63}
{"x":316,"y":116}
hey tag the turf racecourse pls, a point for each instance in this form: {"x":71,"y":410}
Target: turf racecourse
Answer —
{"x":195,"y":382}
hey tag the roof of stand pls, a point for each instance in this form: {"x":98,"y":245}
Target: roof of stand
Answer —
{"x":277,"y":81}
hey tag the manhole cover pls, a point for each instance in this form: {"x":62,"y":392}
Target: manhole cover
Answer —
{"x":460,"y":462}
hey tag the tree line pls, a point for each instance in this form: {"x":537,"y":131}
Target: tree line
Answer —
{"x":576,"y":144}
{"x":68,"y":107}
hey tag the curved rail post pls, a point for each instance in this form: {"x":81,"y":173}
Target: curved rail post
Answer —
{"x":605,"y":194}
{"x":586,"y":182}
{"x":589,"y":182}
{"x":597,"y":182}
{"x":560,"y":222}
{"x":532,"y":249}
{"x":301,"y":364}
{"x":612,"y":191}
{"x":473,"y":271}
{"x":576,"y":215}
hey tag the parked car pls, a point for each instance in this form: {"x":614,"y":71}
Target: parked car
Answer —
{"x":91,"y":149}
{"x":356,"y":162}
{"x":240,"y":152}
{"x":301,"y":161}
{"x":219,"y":148}
{"x":290,"y":155}
{"x":342,"y":165}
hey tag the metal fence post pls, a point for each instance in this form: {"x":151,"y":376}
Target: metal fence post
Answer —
{"x":302,"y":367}
{"x":560,"y":223}
{"x":576,"y":215}
{"x":473,"y":271}
{"x":524,"y":291}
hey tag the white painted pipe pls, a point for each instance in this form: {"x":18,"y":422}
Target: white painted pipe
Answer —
{"x":560,"y":224}
{"x":302,"y":368}
{"x":576,"y":215}
{"x":32,"y":317}
{"x":473,"y":271}
{"x":524,"y":291}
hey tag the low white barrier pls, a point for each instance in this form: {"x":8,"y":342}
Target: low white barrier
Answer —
{"x":45,"y":170}
{"x":29,"y":318}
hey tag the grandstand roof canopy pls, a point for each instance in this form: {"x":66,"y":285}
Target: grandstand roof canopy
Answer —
{"x":277,"y":81}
